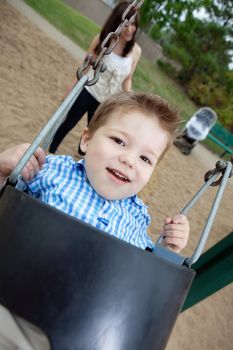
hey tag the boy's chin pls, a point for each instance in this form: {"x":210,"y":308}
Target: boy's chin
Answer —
{"x":114,"y":196}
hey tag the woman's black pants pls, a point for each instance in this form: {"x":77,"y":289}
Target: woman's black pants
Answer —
{"x":84,"y":103}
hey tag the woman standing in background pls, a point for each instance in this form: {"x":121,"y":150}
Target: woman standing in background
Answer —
{"x":121,"y":64}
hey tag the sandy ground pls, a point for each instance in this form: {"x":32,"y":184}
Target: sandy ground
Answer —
{"x":34,"y":75}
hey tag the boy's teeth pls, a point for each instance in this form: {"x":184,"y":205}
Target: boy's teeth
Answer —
{"x":120,"y":175}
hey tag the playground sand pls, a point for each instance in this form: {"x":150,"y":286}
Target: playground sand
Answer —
{"x":35,"y":73}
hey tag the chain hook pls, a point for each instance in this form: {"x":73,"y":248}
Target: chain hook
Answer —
{"x":220,"y":167}
{"x":100,"y":68}
{"x":88,"y":61}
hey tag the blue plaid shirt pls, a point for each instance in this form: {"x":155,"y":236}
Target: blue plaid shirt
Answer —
{"x":63,"y":184}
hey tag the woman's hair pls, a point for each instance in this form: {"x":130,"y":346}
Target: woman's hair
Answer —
{"x":113,"y":22}
{"x":149,"y":104}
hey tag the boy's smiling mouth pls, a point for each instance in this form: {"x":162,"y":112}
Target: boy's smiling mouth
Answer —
{"x":118,"y":175}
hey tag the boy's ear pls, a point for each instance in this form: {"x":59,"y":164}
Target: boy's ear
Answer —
{"x":84,"y":140}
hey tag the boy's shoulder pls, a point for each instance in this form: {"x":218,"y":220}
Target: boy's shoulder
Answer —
{"x":62,"y":165}
{"x":59,"y":158}
{"x":140,"y":206}
{"x":63,"y":160}
{"x":138,"y":202}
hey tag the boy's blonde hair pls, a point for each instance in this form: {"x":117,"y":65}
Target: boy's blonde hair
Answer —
{"x":150,"y":104}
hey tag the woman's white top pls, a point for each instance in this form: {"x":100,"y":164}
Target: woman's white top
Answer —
{"x":110,"y":82}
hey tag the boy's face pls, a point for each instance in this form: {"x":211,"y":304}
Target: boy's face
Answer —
{"x":121,"y":155}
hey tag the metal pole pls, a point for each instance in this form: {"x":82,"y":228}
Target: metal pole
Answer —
{"x":48,"y":130}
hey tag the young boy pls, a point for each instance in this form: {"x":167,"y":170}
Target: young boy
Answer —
{"x":125,"y":140}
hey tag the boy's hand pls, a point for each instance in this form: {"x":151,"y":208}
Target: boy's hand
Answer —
{"x":10,"y":158}
{"x":176,"y":233}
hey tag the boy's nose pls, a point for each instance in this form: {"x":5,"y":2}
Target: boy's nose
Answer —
{"x":127,"y":159}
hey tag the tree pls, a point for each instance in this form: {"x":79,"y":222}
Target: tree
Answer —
{"x":201,"y":47}
{"x":204,"y":52}
{"x":164,"y":14}
{"x":221,"y":11}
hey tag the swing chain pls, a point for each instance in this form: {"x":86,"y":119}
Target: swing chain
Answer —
{"x":107,"y":46}
{"x":220,"y":167}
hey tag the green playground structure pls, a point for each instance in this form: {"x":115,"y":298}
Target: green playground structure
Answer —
{"x":214,"y":270}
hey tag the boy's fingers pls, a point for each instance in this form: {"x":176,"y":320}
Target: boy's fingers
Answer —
{"x":40,"y":156}
{"x":25,"y":174}
{"x":175,"y":245}
{"x":34,"y":164}
{"x":174,"y":234}
{"x":30,"y":169}
{"x":167,"y":221}
{"x":174,"y":240}
{"x":179,"y":219}
{"x":174,"y":227}
{"x":28,"y":172}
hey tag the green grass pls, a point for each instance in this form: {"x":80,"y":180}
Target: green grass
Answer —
{"x":150,"y":78}
{"x":70,"y":22}
{"x":215,"y":148}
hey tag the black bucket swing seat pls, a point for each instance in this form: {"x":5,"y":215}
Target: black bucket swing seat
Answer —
{"x":85,"y":289}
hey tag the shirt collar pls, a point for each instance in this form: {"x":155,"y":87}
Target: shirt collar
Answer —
{"x":81,"y":164}
{"x":81,"y":167}
{"x":134,"y":199}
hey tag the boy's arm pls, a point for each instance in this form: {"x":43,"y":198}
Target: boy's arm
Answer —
{"x":176,"y":233}
{"x":10,"y":158}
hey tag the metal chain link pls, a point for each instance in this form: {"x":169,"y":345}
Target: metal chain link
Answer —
{"x":220,"y":167}
{"x":112,"y":38}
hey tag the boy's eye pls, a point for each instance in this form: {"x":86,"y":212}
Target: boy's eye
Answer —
{"x":145,"y":159}
{"x":118,"y":141}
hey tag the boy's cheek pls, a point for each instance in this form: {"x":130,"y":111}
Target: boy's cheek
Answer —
{"x":145,"y":178}
{"x":150,"y":173}
{"x":105,"y":153}
{"x":94,"y":153}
